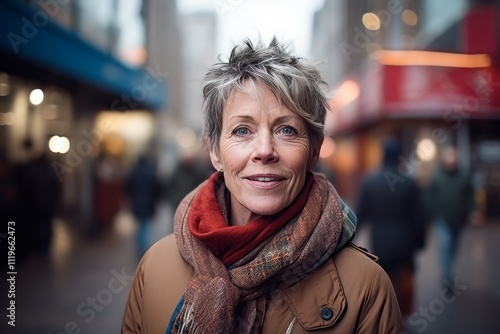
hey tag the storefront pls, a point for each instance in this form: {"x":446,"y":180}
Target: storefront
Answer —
{"x":427,"y":100}
{"x":54,"y":85}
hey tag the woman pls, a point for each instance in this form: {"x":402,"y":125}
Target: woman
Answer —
{"x":263,"y":245}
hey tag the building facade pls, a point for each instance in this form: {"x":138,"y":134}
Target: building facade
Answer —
{"x":425,"y":72}
{"x":81,"y":81}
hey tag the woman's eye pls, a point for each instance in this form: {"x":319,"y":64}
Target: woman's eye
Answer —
{"x":241,"y":131}
{"x":288,"y":130}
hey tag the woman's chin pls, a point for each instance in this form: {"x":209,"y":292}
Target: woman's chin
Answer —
{"x":267,"y":208}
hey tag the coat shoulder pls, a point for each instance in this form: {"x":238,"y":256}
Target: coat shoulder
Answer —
{"x":358,"y":249}
{"x":355,"y":262}
{"x":163,"y":265}
{"x":164,"y":250}
{"x":160,"y":281}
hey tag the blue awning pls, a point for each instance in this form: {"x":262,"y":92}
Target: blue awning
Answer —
{"x":30,"y":35}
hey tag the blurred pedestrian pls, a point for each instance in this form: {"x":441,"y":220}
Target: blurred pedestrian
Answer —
{"x":450,"y":198}
{"x":10,"y":210}
{"x":108,"y":191}
{"x":187,"y":175}
{"x":143,"y":190}
{"x":323,"y":168}
{"x":394,"y":206}
{"x":8,"y":190}
{"x":39,"y":195}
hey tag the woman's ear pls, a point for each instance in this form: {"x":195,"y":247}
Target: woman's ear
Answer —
{"x":214,"y":157}
{"x":313,"y":159}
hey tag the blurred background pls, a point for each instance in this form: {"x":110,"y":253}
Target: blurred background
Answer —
{"x":98,"y":96}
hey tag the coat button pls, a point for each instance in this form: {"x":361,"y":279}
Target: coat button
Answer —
{"x":326,"y":313}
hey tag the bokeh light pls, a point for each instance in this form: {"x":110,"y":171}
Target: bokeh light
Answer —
{"x":426,"y":149}
{"x":371,"y":21}
{"x":328,"y":148}
{"x":6,"y":118}
{"x":4,"y":84}
{"x":36,"y":96}
{"x":59,"y":144}
{"x":409,"y":17}
{"x":185,"y":137}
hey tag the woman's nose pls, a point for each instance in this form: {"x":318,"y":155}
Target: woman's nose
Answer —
{"x":264,"y":150}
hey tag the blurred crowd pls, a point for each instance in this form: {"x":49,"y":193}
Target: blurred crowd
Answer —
{"x":401,"y":212}
{"x":31,"y":195}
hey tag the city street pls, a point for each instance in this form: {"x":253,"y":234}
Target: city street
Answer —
{"x":111,"y":112}
{"x":472,"y":306}
{"x":83,"y":285}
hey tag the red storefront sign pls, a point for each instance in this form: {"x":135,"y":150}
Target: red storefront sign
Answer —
{"x":428,"y":91}
{"x":417,"y":91}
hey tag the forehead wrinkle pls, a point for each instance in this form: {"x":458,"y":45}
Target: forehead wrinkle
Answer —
{"x":240,"y":88}
{"x":255,"y":90}
{"x":286,"y":118}
{"x":260,"y":92}
{"x":275,"y":109}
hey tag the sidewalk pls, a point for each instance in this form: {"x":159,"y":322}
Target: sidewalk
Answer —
{"x":82,"y":285}
{"x":474,"y":305}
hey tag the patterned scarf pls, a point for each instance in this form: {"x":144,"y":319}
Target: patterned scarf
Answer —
{"x":225,"y":300}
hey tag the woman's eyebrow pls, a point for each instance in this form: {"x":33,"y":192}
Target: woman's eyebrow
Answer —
{"x":286,"y":118}
{"x":245,"y":117}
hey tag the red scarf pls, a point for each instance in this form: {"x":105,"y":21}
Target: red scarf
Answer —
{"x":232,"y":243}
{"x":219,"y":299}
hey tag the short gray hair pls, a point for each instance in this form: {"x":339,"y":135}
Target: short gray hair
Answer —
{"x":293,"y":82}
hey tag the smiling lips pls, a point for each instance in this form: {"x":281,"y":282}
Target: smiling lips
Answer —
{"x":265,"y":181}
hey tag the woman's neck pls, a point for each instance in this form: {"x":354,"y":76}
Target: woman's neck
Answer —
{"x":239,"y":215}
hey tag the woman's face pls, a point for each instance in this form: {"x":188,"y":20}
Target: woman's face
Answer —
{"x":264,"y":152}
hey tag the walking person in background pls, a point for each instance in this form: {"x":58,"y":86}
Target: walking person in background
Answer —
{"x":143,"y":190}
{"x":395,"y":208}
{"x":450,"y":198}
{"x":40,"y":192}
{"x":187,"y":175}
{"x":108,"y":190}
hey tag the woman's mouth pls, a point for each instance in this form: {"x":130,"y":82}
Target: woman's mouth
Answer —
{"x":265,"y":181}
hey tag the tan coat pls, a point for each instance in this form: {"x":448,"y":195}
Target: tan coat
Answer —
{"x":349,"y":293}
